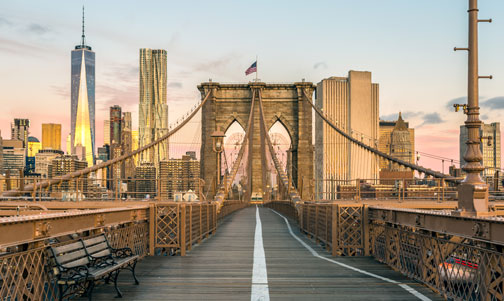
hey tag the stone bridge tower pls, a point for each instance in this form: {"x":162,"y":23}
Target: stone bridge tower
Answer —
{"x":281,"y":102}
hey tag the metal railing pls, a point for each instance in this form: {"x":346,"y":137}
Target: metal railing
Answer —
{"x":399,"y":189}
{"x":148,"y":228}
{"x":459,"y":257}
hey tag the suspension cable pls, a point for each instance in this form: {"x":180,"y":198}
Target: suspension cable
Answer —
{"x":108,"y":163}
{"x":379,"y":153}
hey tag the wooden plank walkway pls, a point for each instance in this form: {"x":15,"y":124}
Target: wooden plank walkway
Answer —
{"x":221,"y":269}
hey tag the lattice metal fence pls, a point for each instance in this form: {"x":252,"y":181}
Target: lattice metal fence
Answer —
{"x":25,"y":275}
{"x":460,"y":269}
{"x":167,"y":226}
{"x":350,"y":230}
{"x":338,"y":227}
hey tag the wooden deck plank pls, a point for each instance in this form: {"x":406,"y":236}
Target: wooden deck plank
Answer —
{"x":221,"y":269}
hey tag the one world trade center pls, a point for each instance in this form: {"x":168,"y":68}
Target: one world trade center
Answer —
{"x":83,"y":100}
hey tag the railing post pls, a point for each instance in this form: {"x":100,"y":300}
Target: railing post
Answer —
{"x":8,"y":180}
{"x":443,"y":190}
{"x":365,"y":229}
{"x":215,"y":217}
{"x":21,"y":180}
{"x":207,"y":220}
{"x":200,"y":223}
{"x":301,"y":212}
{"x":182,"y":230}
{"x":438,"y":190}
{"x":357,"y":189}
{"x":404,"y":189}
{"x":334,"y":225}
{"x":316,"y":223}
{"x":34,"y":193}
{"x":308,"y":219}
{"x":152,"y":228}
{"x":189,"y":245}
{"x":327,"y":211}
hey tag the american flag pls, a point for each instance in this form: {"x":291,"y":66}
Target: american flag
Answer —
{"x":251,"y":69}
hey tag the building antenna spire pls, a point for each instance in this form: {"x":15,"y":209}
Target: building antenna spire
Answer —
{"x":83,"y":34}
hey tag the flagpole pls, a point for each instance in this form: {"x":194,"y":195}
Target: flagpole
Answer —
{"x":257,"y":69}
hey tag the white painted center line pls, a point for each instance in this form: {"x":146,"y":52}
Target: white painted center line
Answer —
{"x":260,"y":290}
{"x":314,"y":253}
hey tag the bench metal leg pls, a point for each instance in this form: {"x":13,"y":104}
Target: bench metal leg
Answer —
{"x":119,"y":294}
{"x":107,"y":279}
{"x":89,"y":291}
{"x":134,"y":274}
{"x":60,"y":292}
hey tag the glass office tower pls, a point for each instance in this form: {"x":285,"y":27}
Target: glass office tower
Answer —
{"x":83,"y":99}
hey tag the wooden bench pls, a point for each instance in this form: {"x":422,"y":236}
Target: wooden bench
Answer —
{"x":79,"y":265}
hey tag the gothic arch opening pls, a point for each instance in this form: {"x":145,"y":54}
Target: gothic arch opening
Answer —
{"x":232,"y":144}
{"x":282,"y":143}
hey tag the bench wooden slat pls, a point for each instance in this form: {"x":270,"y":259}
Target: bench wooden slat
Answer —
{"x":82,"y":261}
{"x":97,"y":248}
{"x":93,"y":241}
{"x":102,"y":253}
{"x":67,"y":248}
{"x":63,"y":259}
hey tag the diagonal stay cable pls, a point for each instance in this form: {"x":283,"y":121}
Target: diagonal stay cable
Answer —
{"x":225,"y":186}
{"x":294,"y":195}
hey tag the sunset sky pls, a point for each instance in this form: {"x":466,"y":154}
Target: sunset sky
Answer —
{"x":407,"y":45}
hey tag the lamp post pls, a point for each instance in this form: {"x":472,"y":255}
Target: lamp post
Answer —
{"x":473,"y":192}
{"x":218,"y":147}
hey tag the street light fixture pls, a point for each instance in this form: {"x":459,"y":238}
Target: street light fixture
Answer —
{"x":218,"y":147}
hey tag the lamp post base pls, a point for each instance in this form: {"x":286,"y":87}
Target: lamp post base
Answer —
{"x":472,"y":200}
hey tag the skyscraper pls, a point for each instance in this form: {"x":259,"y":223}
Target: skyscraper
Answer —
{"x":490,"y":147}
{"x":352,"y":104}
{"x":396,"y":139}
{"x":134,"y":140}
{"x":83,"y":98}
{"x":126,"y":142}
{"x":14,"y":155}
{"x":115,"y":125}
{"x":115,"y":143}
{"x":51,"y":136}
{"x":106,"y":132}
{"x":20,"y":128}
{"x":1,"y":155}
{"x":66,"y":164}
{"x":34,"y":146}
{"x":178,"y":175}
{"x":153,"y":110}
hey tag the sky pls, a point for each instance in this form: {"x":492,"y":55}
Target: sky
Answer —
{"x":407,"y":45}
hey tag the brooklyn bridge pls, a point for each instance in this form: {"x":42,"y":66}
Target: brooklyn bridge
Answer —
{"x":258,"y":224}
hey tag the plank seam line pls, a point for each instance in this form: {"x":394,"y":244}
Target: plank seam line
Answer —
{"x":260,"y":290}
{"x":406,"y":287}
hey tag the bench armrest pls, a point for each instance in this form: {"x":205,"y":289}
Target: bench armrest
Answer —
{"x":101,"y":261}
{"x":73,"y":273}
{"x":122,"y":252}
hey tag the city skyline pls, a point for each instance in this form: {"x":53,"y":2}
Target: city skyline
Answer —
{"x":401,"y":50}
